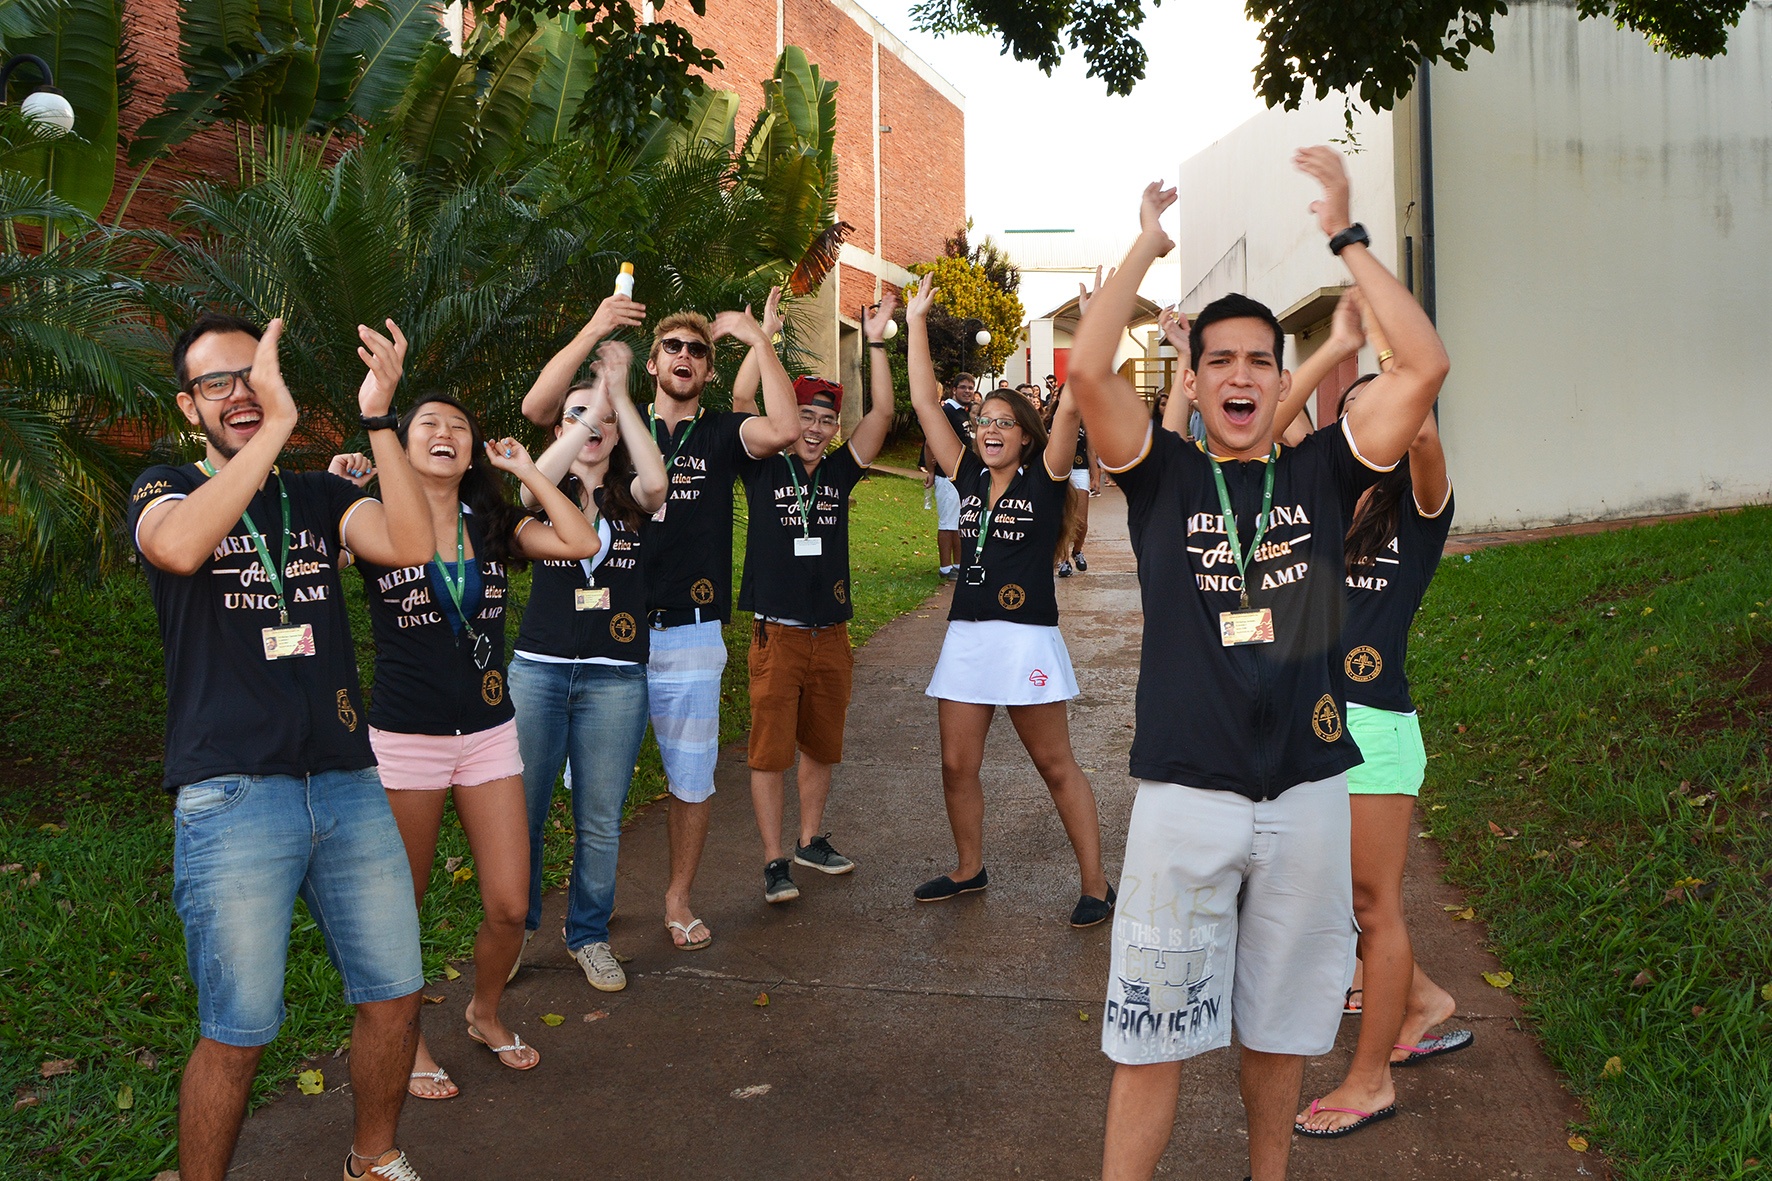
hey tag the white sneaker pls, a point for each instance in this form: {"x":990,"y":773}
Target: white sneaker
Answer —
{"x":601,"y":968}
{"x":392,"y":1166}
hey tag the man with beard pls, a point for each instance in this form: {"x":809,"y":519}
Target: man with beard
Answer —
{"x":689,"y":565}
{"x":275,"y":784}
{"x":1236,"y":895}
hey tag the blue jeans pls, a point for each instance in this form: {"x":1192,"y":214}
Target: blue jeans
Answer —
{"x":245,"y":847}
{"x":596,"y":715}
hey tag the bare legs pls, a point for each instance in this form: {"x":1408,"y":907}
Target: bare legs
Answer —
{"x":1141,"y":1113}
{"x":212,"y":1106}
{"x":1080,"y":497}
{"x":1045,"y":733}
{"x":814,"y":784}
{"x":687,"y":827}
{"x":947,"y":545}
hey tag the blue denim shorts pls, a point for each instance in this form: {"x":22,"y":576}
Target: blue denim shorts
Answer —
{"x":245,"y":848}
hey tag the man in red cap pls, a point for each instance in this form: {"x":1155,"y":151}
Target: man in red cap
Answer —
{"x":796,"y":583}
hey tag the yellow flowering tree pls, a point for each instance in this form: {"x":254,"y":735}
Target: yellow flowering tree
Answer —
{"x":965,"y":291}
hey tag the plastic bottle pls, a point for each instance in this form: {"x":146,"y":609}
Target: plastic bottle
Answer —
{"x":624,"y":282}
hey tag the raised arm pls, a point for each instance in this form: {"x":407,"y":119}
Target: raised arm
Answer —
{"x":1174,"y":327}
{"x":1428,"y":477}
{"x":650,"y":483}
{"x":1116,"y":416}
{"x":541,"y":405}
{"x":750,"y":371}
{"x":1345,"y":338}
{"x":775,"y":428}
{"x":178,"y":535}
{"x":1385,"y":418}
{"x":944,"y":447}
{"x":870,"y":433}
{"x":396,"y":530}
{"x":567,"y":534}
{"x":556,"y":461}
{"x":1061,"y":441}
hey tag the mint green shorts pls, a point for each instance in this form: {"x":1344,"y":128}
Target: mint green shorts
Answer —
{"x":1396,"y":761}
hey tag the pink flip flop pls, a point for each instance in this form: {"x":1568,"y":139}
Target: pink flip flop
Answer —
{"x":1366,"y":1117}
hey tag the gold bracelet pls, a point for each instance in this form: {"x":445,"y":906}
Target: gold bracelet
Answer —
{"x":1384,"y":355}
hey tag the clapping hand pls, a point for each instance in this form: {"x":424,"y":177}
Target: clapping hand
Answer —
{"x":386,"y":359}
{"x":917,"y":306}
{"x":1086,"y":293}
{"x":267,"y":379}
{"x":874,"y":319}
{"x":1174,"y":327}
{"x":508,"y":455}
{"x":772,"y":319}
{"x":611,"y":367}
{"x":1151,"y":207}
{"x":1325,"y":166}
{"x":740,"y":326}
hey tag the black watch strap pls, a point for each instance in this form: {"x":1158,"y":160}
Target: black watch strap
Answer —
{"x":381,"y":422}
{"x":1347,"y":237}
{"x":876,"y":344}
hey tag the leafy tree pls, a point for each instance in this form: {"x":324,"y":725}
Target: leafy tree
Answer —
{"x":1371,"y":49}
{"x":82,"y":40}
{"x":965,"y":292}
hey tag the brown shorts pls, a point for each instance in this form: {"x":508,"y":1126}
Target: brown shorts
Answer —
{"x":800,"y":680}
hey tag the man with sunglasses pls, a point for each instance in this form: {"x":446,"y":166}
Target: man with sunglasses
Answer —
{"x":267,"y":752}
{"x":689,"y":564}
{"x":796,"y":582}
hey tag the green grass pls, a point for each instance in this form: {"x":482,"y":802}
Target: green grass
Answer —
{"x":92,"y":959}
{"x":1600,"y":780}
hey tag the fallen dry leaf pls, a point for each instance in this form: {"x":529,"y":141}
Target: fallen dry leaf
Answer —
{"x":1698,"y":1010}
{"x":1499,"y":979}
{"x":1577,"y":843}
{"x":450,"y":865}
{"x":1614,"y":1067}
{"x":433,"y":1000}
{"x":449,"y":972}
{"x":1543,"y":855}
{"x":464,"y":874}
{"x":596,"y":1015}
{"x":752,"y":1091}
{"x":1578,"y":1143}
{"x":64,"y":905}
{"x":58,"y":1066}
{"x":1766,"y":993}
{"x":310,"y":1082}
{"x":551,"y":1019}
{"x":146,"y":1060}
{"x":1645,"y":977}
{"x":26,"y":1099}
{"x":125,"y":1098}
{"x":167,"y":1175}
{"x":762,"y":1001}
{"x":1082,"y":1016}
{"x":13,"y":868}
{"x":1467,"y":914}
{"x":1496,"y":828}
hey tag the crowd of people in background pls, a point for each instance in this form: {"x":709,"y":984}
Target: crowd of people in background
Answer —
{"x":1276,"y":749}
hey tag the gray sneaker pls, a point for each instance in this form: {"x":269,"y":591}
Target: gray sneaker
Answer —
{"x":778,"y":882}
{"x":819,"y":855}
{"x":600,"y":967}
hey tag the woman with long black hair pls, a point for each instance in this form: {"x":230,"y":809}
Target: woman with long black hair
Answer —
{"x":1003,"y":646}
{"x":439,"y":718}
{"x":578,"y":678}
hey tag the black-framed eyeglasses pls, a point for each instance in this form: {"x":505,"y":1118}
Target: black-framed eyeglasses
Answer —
{"x":813,"y":417}
{"x":213,"y":387}
{"x":695,"y":348}
{"x":1001,"y":424}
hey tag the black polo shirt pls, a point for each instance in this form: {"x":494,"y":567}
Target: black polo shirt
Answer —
{"x":554,"y":626}
{"x":1381,"y":603}
{"x":777,"y":583}
{"x":1259,"y":718}
{"x":689,"y":551}
{"x":961,"y":420}
{"x":1017,"y":558}
{"x":426,"y":681}
{"x":1081,"y":458}
{"x":229,"y":711}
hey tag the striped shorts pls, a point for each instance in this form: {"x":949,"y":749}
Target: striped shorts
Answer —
{"x":683,"y":686}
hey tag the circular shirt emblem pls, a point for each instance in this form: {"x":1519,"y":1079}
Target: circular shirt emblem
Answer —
{"x":1363,"y":664}
{"x":1011,"y":597}
{"x":702,"y":592}
{"x":347,"y":714}
{"x":841,"y":590}
{"x":492,"y":687}
{"x":1326,"y":719}
{"x":621,"y":628}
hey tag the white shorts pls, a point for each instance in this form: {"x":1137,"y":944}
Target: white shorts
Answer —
{"x":995,"y":662}
{"x":947,"y":505}
{"x":1231,"y":912}
{"x":1080,"y":479}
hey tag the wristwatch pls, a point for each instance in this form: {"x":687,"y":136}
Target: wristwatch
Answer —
{"x":1347,"y":237}
{"x":381,"y":422}
{"x":876,"y":344}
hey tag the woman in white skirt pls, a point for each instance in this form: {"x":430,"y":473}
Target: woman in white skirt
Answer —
{"x":1003,"y":646}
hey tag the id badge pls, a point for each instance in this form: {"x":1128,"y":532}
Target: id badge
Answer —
{"x":591,"y":598}
{"x":659,"y":515}
{"x":295,"y":639}
{"x":1255,"y":626}
{"x":808,"y":547}
{"x":975,"y":576}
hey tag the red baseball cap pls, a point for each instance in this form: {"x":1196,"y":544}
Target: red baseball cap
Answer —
{"x":817,"y":391}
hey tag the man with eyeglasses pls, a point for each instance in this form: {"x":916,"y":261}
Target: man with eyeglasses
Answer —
{"x":958,"y":408}
{"x":276,"y":794}
{"x":689,"y":564}
{"x":796,"y":583}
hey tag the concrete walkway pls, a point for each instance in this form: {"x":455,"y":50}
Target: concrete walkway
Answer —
{"x":899,"y":1040}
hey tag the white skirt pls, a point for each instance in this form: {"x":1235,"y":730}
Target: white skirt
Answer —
{"x":995,"y":662}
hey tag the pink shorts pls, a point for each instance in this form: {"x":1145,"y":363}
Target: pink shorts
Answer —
{"x":435,"y":761}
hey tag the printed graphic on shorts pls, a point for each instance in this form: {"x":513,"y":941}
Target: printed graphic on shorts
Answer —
{"x":492,"y":687}
{"x":1326,"y":719}
{"x":702,"y":592}
{"x":1158,"y":1005}
{"x":1038,"y":677}
{"x":1011,"y":597}
{"x":1363,"y":664}
{"x":347,"y":713}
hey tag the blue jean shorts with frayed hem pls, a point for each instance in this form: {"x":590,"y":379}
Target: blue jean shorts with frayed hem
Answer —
{"x":245,"y":848}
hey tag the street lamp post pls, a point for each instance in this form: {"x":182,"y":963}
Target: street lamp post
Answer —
{"x":46,"y":107}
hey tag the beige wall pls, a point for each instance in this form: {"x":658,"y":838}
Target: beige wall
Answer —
{"x":1604,"y":233}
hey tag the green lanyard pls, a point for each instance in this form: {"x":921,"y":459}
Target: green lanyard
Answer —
{"x":985,"y":509}
{"x":1261,"y":522}
{"x":273,"y":571}
{"x":459,"y":582}
{"x":806,"y":501}
{"x":670,"y":455}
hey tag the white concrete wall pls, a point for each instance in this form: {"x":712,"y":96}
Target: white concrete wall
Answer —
{"x":1604,"y":250}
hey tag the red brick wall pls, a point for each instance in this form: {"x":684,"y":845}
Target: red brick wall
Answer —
{"x":922,"y":165}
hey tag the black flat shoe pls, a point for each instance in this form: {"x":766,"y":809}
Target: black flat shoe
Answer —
{"x":942,"y":888}
{"x":1090,"y":911}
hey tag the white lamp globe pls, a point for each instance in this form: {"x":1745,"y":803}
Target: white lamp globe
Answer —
{"x":53,"y":114}
{"x":983,"y":337}
{"x":891,"y":329}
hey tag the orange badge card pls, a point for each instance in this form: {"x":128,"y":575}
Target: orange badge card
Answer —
{"x":1236,"y":628}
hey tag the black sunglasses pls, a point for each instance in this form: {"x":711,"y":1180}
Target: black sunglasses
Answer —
{"x":695,"y":348}
{"x":213,"y":387}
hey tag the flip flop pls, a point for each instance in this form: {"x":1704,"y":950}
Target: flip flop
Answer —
{"x":1450,"y":1042}
{"x":517,"y":1044}
{"x":688,"y":943}
{"x":1349,"y":1004}
{"x":438,"y":1075}
{"x":1366,"y":1117}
